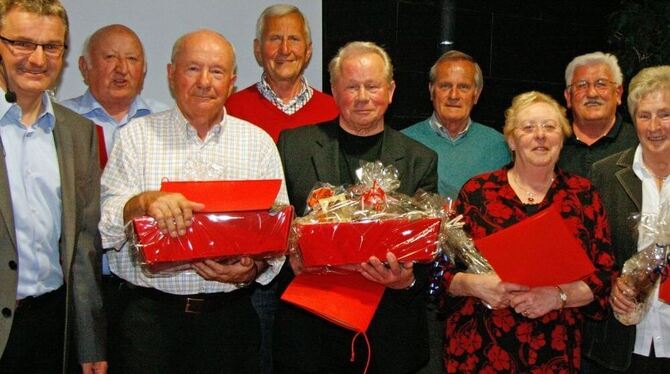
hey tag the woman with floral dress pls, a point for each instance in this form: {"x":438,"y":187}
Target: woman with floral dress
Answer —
{"x":499,"y":327}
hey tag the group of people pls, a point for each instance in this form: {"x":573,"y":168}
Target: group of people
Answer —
{"x":75,"y":298}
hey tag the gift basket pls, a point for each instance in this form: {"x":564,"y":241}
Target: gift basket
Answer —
{"x":645,"y":269}
{"x":345,"y":225}
{"x":239,"y":219}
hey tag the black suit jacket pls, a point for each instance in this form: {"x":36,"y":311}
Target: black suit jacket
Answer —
{"x":608,"y":342}
{"x":398,"y":331}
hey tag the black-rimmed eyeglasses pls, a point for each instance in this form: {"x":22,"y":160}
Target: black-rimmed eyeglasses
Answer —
{"x":25,"y":47}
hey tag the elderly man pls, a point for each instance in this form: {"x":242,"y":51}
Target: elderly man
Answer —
{"x":594,"y":85}
{"x":113,"y":66}
{"x":282,"y":99}
{"x":49,"y":203}
{"x":161,"y":332}
{"x":361,"y":78}
{"x":465,"y":148}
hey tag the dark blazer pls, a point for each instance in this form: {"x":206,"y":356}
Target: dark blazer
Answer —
{"x":398,"y":331}
{"x":608,"y":342}
{"x":77,"y":149}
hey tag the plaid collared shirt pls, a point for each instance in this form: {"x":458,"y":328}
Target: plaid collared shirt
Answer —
{"x":292,"y":106}
{"x":164,"y":145}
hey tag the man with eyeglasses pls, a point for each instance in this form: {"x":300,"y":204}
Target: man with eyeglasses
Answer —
{"x":594,"y":85}
{"x":49,"y":203}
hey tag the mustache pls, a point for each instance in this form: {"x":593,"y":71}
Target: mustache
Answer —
{"x":594,"y":101}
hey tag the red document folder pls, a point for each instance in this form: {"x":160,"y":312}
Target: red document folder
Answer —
{"x":348,"y":300}
{"x":228,"y":196}
{"x":538,"y":251}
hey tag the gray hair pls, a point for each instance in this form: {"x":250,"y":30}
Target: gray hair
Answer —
{"x":455,"y":55}
{"x":652,"y":79}
{"x":358,"y":47}
{"x":594,"y":58}
{"x":279,"y":10}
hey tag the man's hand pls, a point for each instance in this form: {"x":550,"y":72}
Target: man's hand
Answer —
{"x":98,"y":367}
{"x":172,"y":211}
{"x":243,"y":271}
{"x":394,"y":275}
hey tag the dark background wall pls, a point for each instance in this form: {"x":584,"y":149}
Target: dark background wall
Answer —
{"x":520,"y":45}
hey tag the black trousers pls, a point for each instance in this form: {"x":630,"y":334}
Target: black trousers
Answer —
{"x":160,"y":333}
{"x":35,"y":343}
{"x":638,"y":365}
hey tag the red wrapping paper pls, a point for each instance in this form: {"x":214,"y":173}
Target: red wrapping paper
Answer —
{"x":664,"y":290}
{"x":258,"y":234}
{"x":347,"y":243}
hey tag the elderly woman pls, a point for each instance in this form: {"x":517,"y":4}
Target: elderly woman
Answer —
{"x":635,"y":180}
{"x":526,"y":329}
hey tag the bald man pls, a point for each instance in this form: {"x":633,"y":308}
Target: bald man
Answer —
{"x":198,"y":320}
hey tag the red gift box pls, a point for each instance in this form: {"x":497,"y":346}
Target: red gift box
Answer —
{"x":257,"y":234}
{"x":349,"y":243}
{"x":228,"y":196}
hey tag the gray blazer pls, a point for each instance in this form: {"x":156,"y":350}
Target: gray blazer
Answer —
{"x":77,"y":149}
{"x":608,"y":342}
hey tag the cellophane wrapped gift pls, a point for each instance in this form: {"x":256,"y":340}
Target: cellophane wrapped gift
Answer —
{"x":223,"y":236}
{"x":345,"y":225}
{"x":643,"y":270}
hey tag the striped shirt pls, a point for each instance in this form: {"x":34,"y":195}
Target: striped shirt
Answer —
{"x":164,"y":146}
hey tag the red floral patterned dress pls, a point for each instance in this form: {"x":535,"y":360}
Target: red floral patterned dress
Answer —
{"x":479,"y":340}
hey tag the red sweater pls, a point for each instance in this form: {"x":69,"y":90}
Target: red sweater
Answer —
{"x":251,"y":106}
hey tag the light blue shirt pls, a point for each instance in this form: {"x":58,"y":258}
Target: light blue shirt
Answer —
{"x":34,"y":182}
{"x":89,"y":107}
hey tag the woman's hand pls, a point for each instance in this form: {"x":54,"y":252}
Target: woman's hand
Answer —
{"x":486,"y":287}
{"x":622,"y":298}
{"x":537,"y":301}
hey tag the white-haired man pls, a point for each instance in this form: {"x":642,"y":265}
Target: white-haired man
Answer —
{"x":594,"y":85}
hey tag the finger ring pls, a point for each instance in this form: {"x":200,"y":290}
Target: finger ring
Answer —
{"x":525,"y":314}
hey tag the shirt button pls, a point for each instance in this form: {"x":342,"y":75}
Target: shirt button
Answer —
{"x":6,"y":312}
{"x":12,"y":265}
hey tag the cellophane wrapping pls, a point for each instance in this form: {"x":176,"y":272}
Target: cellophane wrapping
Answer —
{"x":643,"y":271}
{"x":345,"y":225}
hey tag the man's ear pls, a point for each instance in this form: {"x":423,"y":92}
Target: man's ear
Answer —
{"x":83,"y":68}
{"x":257,"y":52}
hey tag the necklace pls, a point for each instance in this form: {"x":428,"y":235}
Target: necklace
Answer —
{"x":530,"y":196}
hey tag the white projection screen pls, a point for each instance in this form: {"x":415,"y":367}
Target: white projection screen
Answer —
{"x":160,"y":22}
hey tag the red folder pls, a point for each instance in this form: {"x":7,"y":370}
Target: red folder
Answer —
{"x":538,"y":251}
{"x":228,"y":196}
{"x":348,"y":300}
